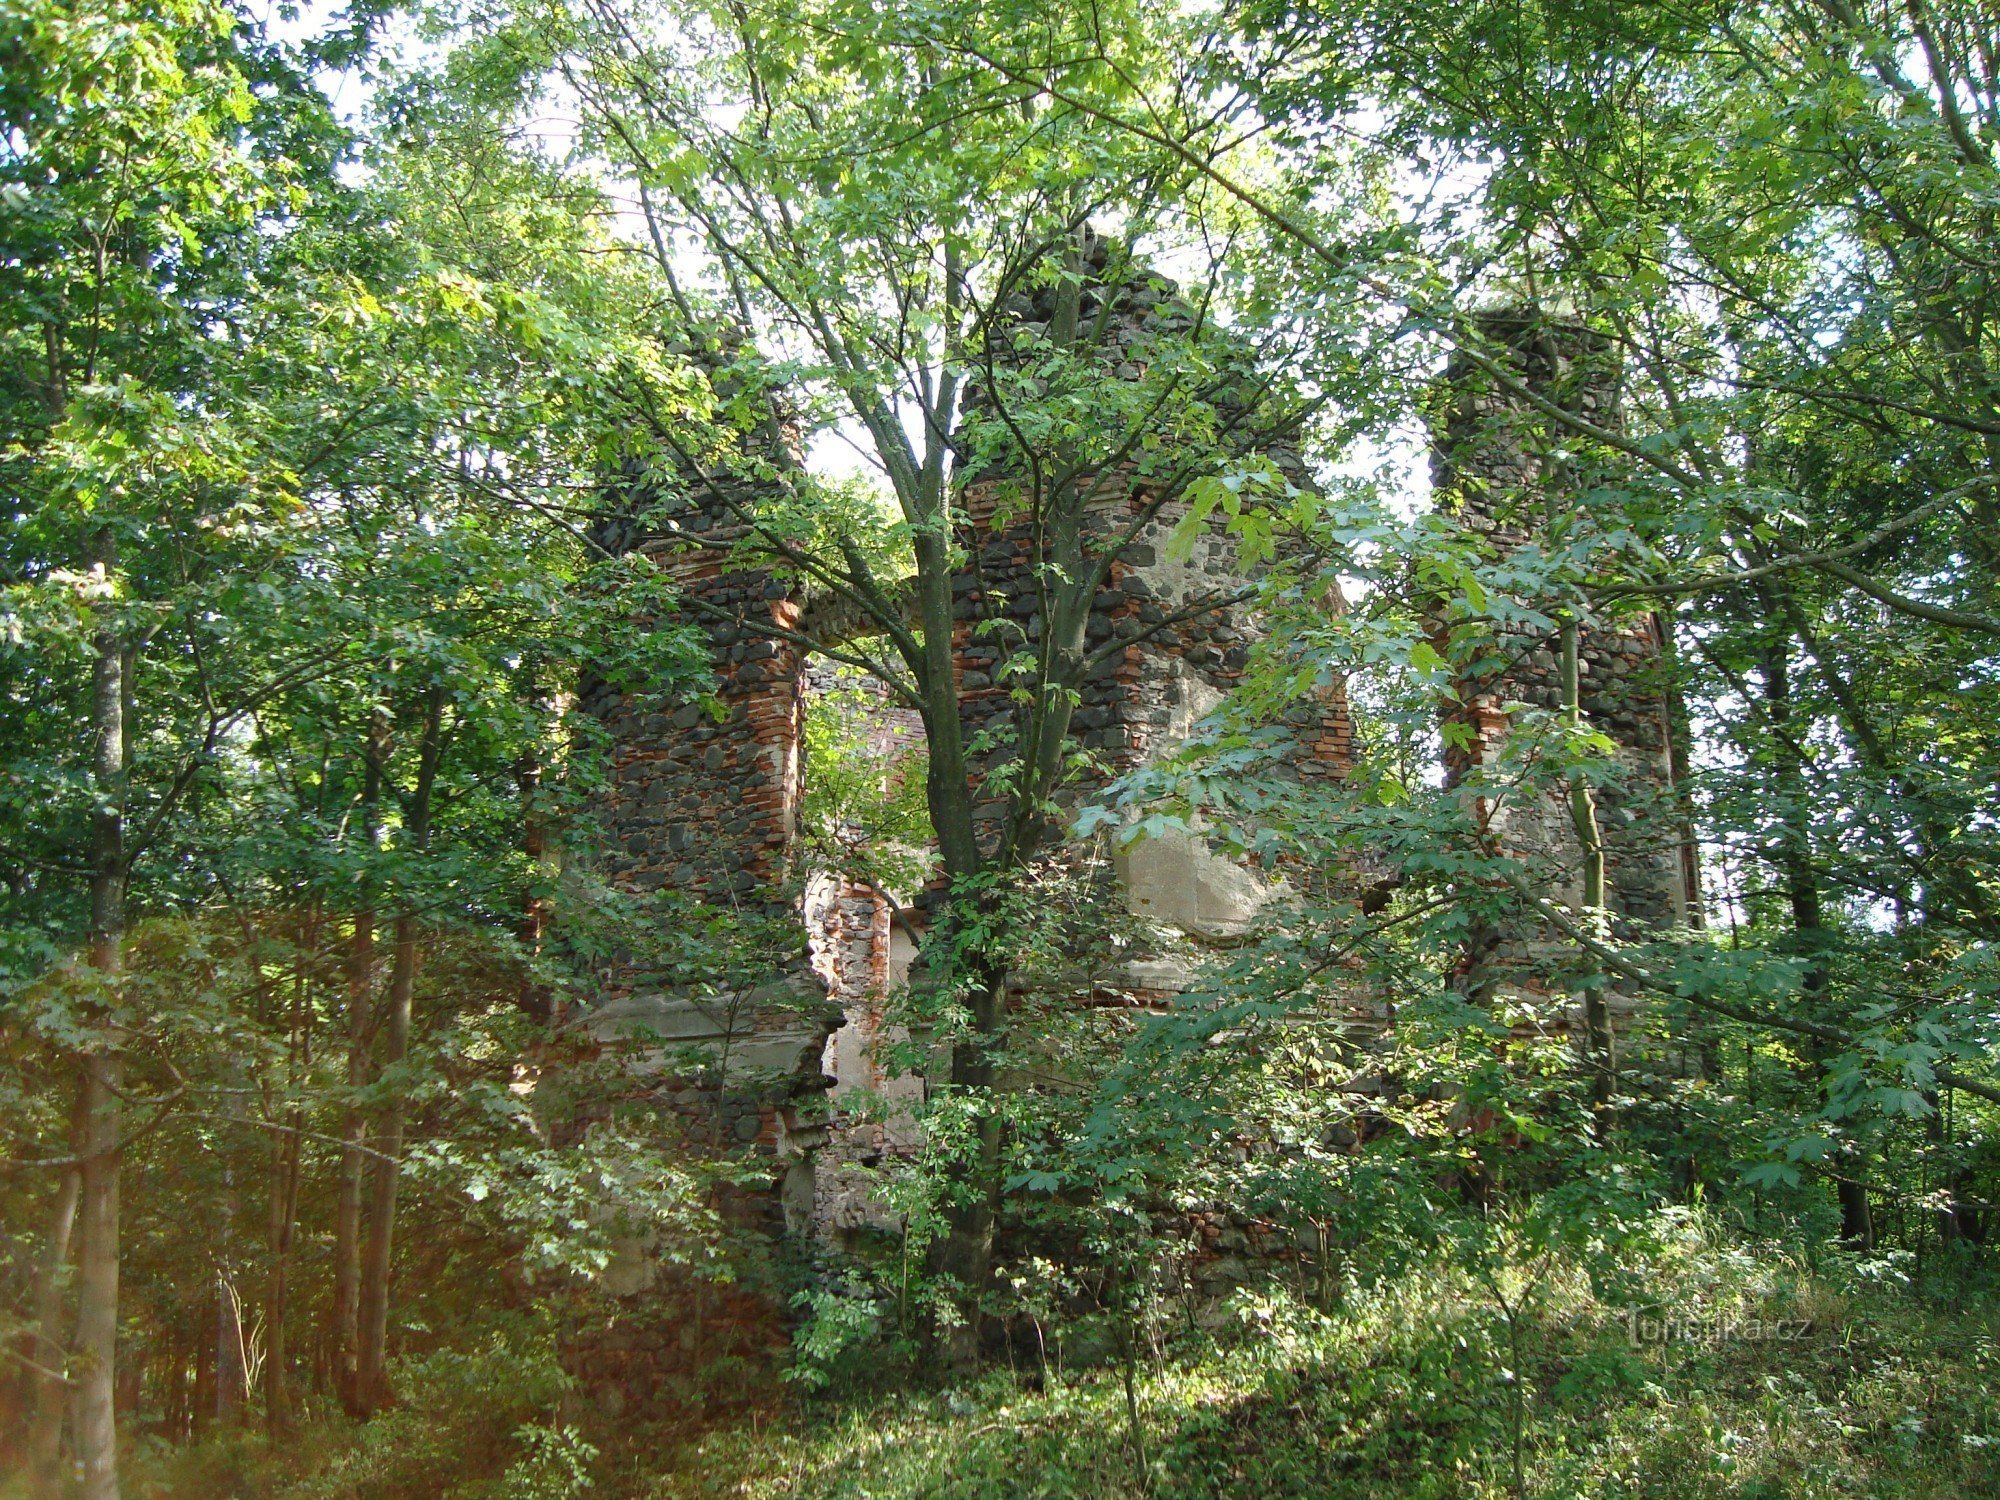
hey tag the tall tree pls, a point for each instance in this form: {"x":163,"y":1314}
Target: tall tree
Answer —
{"x":1781,"y":228}
{"x":874,"y":221}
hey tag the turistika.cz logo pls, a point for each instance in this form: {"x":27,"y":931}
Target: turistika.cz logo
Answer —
{"x":1665,"y":1328}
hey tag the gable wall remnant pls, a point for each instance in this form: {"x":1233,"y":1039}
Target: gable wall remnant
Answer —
{"x":1503,"y":470}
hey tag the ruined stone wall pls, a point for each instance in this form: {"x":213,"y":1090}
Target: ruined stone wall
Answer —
{"x":1191,"y":625}
{"x":1503,"y":470}
{"x":703,"y":800}
{"x":1138,"y":703}
{"x":705,"y":792}
{"x":864,"y":950}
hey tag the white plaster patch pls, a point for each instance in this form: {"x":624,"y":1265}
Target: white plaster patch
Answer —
{"x":1174,"y":876}
{"x":631,"y":1269}
{"x":756,"y":1034}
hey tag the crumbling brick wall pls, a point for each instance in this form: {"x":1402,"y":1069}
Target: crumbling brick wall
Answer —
{"x":705,"y":792}
{"x":704,"y":789}
{"x":703,"y":801}
{"x":1198,"y":625}
{"x":1188,"y":615}
{"x":1502,"y":469}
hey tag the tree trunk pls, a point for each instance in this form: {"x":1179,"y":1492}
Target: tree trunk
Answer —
{"x":967,"y":1252}
{"x":95,"y":1420}
{"x":1043,"y":733}
{"x":347,"y":1214}
{"x":1598,"y":1046}
{"x":229,"y":1361}
{"x":201,"y":1387}
{"x":535,"y":999}
{"x":371,"y":1380}
{"x":1857,"y":1225}
{"x":95,"y":1411}
{"x":231,"y":1368}
{"x":287,"y":1153}
{"x":51,"y":1388}
{"x":346,"y":1319}
{"x":387,"y":1138}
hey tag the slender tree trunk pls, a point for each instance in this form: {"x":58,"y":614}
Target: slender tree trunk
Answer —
{"x":51,"y":1348}
{"x":96,"y":1432}
{"x":1680,"y":767}
{"x":968,"y":1247}
{"x":1598,"y":1045}
{"x":967,"y":1250}
{"x":346,"y":1320}
{"x":229,"y":1362}
{"x":946,"y":774}
{"x":347,"y":1213}
{"x":173,"y":1394}
{"x":277,"y":1298}
{"x":371,"y":1390}
{"x":1043,"y":733}
{"x":231,"y":1368}
{"x":1857,"y":1224}
{"x":535,"y":999}
{"x":284,"y":1199}
{"x":201,"y":1388}
{"x":95,"y":1410}
{"x":1947,"y":1184}
{"x":371,"y":1378}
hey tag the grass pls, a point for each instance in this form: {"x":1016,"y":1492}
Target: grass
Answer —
{"x":1843,"y":1386}
{"x":1820,"y":1380}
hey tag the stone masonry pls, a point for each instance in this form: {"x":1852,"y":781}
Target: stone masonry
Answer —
{"x":705,"y":792}
{"x":1194,"y":628}
{"x":703,"y":802}
{"x":1497,"y":470}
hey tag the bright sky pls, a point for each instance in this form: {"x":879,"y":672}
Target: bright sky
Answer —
{"x":842,"y":452}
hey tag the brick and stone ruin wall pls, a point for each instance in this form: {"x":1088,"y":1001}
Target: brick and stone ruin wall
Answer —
{"x":705,"y":794}
{"x":703,"y":801}
{"x":1502,"y":469}
{"x":1198,"y":629}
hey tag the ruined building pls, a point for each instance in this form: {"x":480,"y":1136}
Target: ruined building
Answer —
{"x":1510,"y":473}
{"x":705,"y":795}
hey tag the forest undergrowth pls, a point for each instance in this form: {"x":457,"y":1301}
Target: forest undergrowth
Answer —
{"x":1713,"y":1364}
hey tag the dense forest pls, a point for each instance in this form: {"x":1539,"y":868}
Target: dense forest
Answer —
{"x":868,"y":749}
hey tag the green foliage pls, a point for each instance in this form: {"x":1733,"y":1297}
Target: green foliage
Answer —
{"x":836,"y":1323}
{"x":864,"y":813}
{"x":1780,"y":1378}
{"x":337,"y":440}
{"x":557,"y":1465}
{"x":476,"y":1423}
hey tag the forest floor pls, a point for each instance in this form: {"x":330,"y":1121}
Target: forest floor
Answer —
{"x":1715,"y":1369}
{"x":1770,"y":1383}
